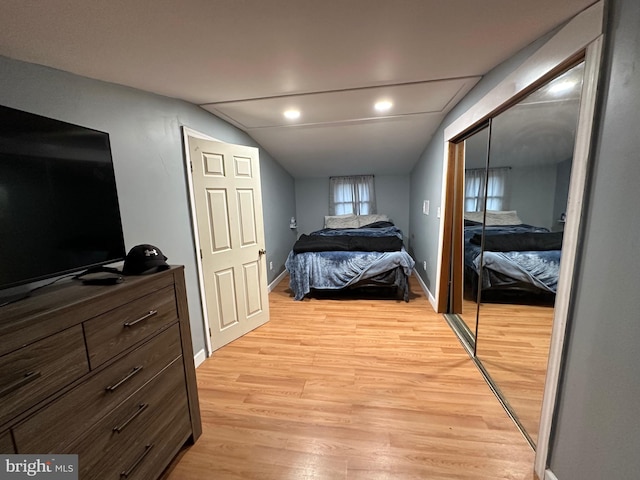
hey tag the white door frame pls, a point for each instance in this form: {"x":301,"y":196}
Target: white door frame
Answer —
{"x":581,"y":34}
{"x":188,"y":132}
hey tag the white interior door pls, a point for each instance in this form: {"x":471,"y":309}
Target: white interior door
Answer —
{"x":230,"y":230}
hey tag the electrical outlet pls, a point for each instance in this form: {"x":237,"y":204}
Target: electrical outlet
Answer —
{"x":438,"y":212}
{"x":424,"y":265}
{"x":270,"y":265}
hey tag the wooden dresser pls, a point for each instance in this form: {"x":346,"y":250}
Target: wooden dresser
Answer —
{"x":105,"y":372}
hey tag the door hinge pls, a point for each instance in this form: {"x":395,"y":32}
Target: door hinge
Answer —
{"x":201,"y":256}
{"x":210,"y":332}
{"x":191,"y":165}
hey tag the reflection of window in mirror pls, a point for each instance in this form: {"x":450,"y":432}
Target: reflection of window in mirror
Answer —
{"x":496,"y":188}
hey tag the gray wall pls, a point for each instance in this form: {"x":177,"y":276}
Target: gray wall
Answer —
{"x":532,"y":194}
{"x":563,"y":179}
{"x":312,"y":201}
{"x":278,"y":206}
{"x":597,"y":429}
{"x":145,"y":133}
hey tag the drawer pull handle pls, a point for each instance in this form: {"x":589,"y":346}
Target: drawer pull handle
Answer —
{"x":142,"y":318}
{"x":21,"y":382}
{"x":130,"y":470}
{"x":141,"y":408}
{"x":130,"y":375}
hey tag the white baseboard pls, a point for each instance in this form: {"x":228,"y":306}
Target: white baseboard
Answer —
{"x":431,"y":298}
{"x":432,"y":301}
{"x":199,"y":357}
{"x":277,"y":280}
{"x":548,"y":475}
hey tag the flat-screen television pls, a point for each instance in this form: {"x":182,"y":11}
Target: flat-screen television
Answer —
{"x":59,"y":208}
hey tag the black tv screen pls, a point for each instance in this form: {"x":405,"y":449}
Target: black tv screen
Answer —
{"x":59,"y":208}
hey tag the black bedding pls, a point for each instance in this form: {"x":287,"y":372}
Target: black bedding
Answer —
{"x":519,"y":242}
{"x":321,"y":243}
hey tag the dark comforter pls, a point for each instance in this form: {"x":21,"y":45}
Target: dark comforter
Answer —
{"x":519,"y":241}
{"x":347,"y":243}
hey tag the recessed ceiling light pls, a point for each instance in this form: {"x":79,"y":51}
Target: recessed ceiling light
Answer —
{"x":292,"y":114}
{"x":383,"y":105}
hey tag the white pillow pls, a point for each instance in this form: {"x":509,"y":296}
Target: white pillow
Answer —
{"x":495,"y":217}
{"x":341,"y":221}
{"x":474,"y":216}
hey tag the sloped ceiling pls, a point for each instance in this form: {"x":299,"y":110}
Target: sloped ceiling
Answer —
{"x":248,"y":61}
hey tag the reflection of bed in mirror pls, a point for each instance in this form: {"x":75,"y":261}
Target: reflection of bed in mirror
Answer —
{"x":520,"y":262}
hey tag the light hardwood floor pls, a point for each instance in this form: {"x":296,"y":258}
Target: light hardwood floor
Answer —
{"x":513,"y":345}
{"x":350,"y":389}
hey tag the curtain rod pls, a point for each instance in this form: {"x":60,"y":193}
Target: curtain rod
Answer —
{"x":490,"y":168}
{"x":346,"y":176}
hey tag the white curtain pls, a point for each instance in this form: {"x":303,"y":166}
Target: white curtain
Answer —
{"x":496,"y":184}
{"x":354,"y":194}
{"x":496,"y":188}
{"x":474,"y":181}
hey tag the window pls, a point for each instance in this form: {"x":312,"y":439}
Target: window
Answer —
{"x":474,"y":181}
{"x":354,"y":194}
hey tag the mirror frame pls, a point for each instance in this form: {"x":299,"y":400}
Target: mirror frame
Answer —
{"x":579,"y":38}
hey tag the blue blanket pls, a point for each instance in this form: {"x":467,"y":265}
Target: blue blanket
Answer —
{"x":339,"y":269}
{"x":538,"y":268}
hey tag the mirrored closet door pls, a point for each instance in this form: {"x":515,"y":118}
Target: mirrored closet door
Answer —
{"x":475,"y":150}
{"x":516,"y":183}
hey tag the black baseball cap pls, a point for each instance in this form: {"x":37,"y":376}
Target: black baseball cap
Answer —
{"x":144,"y":259}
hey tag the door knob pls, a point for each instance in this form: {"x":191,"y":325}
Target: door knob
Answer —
{"x":262,"y":251}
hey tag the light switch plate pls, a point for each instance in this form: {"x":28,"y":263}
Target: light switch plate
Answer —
{"x":425,"y":207}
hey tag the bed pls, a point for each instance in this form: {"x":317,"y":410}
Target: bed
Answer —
{"x":351,"y":252}
{"x":519,"y":260}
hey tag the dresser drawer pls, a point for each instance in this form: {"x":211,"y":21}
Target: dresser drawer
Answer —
{"x":118,"y":440}
{"x":115,"y":331}
{"x":32,"y":373}
{"x":61,"y":422}
{"x":6,"y":443}
{"x":155,"y":453}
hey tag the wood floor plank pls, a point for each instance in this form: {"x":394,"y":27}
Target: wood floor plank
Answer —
{"x":349,"y":389}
